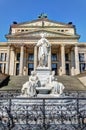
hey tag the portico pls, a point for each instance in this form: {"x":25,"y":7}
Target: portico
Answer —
{"x":24,"y":59}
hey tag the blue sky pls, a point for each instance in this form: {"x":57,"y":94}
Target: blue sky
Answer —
{"x":57,"y":10}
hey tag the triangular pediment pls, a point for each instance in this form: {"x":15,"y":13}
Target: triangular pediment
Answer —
{"x":41,"y":22}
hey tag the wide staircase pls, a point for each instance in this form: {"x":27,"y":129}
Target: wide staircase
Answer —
{"x":15,"y":83}
{"x":70,"y":83}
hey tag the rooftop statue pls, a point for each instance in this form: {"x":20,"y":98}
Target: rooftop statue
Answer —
{"x":43,"y":51}
{"x":42,"y":15}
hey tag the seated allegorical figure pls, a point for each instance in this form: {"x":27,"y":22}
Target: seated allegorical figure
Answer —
{"x":56,"y":87}
{"x":29,"y":88}
{"x":51,"y":76}
{"x":50,"y":79}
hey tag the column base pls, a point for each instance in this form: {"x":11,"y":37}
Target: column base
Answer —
{"x":72,"y":71}
{"x":61,"y":71}
{"x":77,"y":71}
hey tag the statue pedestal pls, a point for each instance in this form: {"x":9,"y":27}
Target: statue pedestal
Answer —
{"x":43,"y":90}
{"x":43,"y":74}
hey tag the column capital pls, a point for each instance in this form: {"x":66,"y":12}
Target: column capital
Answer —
{"x":76,"y":45}
{"x":62,"y":45}
{"x":22,"y":45}
{"x":9,"y":46}
{"x":12,"y":48}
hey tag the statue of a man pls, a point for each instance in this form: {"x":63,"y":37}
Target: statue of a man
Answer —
{"x":43,"y":51}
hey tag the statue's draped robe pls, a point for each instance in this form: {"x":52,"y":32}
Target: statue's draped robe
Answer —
{"x":43,"y":45}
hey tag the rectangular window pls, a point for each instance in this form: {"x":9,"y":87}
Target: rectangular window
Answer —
{"x":0,"y":67}
{"x":66,"y":57}
{"x":17,"y":68}
{"x":18,"y":56}
{"x":82,"y":67}
{"x":81,"y":57}
{"x":31,"y":57}
{"x":2,"y":57}
{"x":54,"y":68}
{"x":4,"y":68}
{"x":5,"y":56}
{"x":54,"y":57}
{"x":30,"y":68}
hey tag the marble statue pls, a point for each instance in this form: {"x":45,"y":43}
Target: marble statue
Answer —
{"x":29,"y":88}
{"x":55,"y":86}
{"x":34,"y":79}
{"x":51,"y":77}
{"x":34,"y":86}
{"x":48,"y":84}
{"x":61,"y":88}
{"x":43,"y":50}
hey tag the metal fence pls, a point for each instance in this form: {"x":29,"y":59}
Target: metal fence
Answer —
{"x":42,"y":113}
{"x":14,"y":93}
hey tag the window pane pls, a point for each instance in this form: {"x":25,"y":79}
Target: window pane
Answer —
{"x":54,"y":57}
{"x":17,"y":68}
{"x":0,"y":67}
{"x":5,"y":56}
{"x":18,"y":56}
{"x":54,"y":66}
{"x":2,"y":57}
{"x":4,"y":67}
{"x":30,"y":68}
{"x":81,"y":57}
{"x":82,"y":67}
{"x":30,"y":65}
{"x":31,"y":57}
{"x":66,"y":57}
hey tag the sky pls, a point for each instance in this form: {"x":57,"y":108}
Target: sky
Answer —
{"x":57,"y":10}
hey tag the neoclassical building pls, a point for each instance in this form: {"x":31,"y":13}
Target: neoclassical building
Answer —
{"x":18,"y":56}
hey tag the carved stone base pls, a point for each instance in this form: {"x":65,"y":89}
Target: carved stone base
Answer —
{"x":43,"y":74}
{"x":43,"y":90}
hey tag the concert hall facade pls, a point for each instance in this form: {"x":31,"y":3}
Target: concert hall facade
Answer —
{"x":19,"y":54}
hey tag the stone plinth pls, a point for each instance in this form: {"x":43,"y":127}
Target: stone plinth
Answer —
{"x":43,"y":74}
{"x":43,"y":90}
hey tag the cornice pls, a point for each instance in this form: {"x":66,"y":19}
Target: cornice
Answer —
{"x":40,"y":20}
{"x":35,"y":34}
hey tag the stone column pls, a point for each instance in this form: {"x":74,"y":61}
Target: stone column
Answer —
{"x":3,"y":68}
{"x":72,"y":62}
{"x":62,"y":60}
{"x":3,"y":59}
{"x":77,"y":70}
{"x":21,"y":60}
{"x":49,"y":59}
{"x":12,"y":57}
{"x":8,"y":60}
{"x":25,"y":62}
{"x":35,"y":57}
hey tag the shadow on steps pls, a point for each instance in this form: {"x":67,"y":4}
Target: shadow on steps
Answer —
{"x":4,"y":79}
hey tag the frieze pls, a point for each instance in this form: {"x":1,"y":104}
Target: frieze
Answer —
{"x":45,"y":23}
